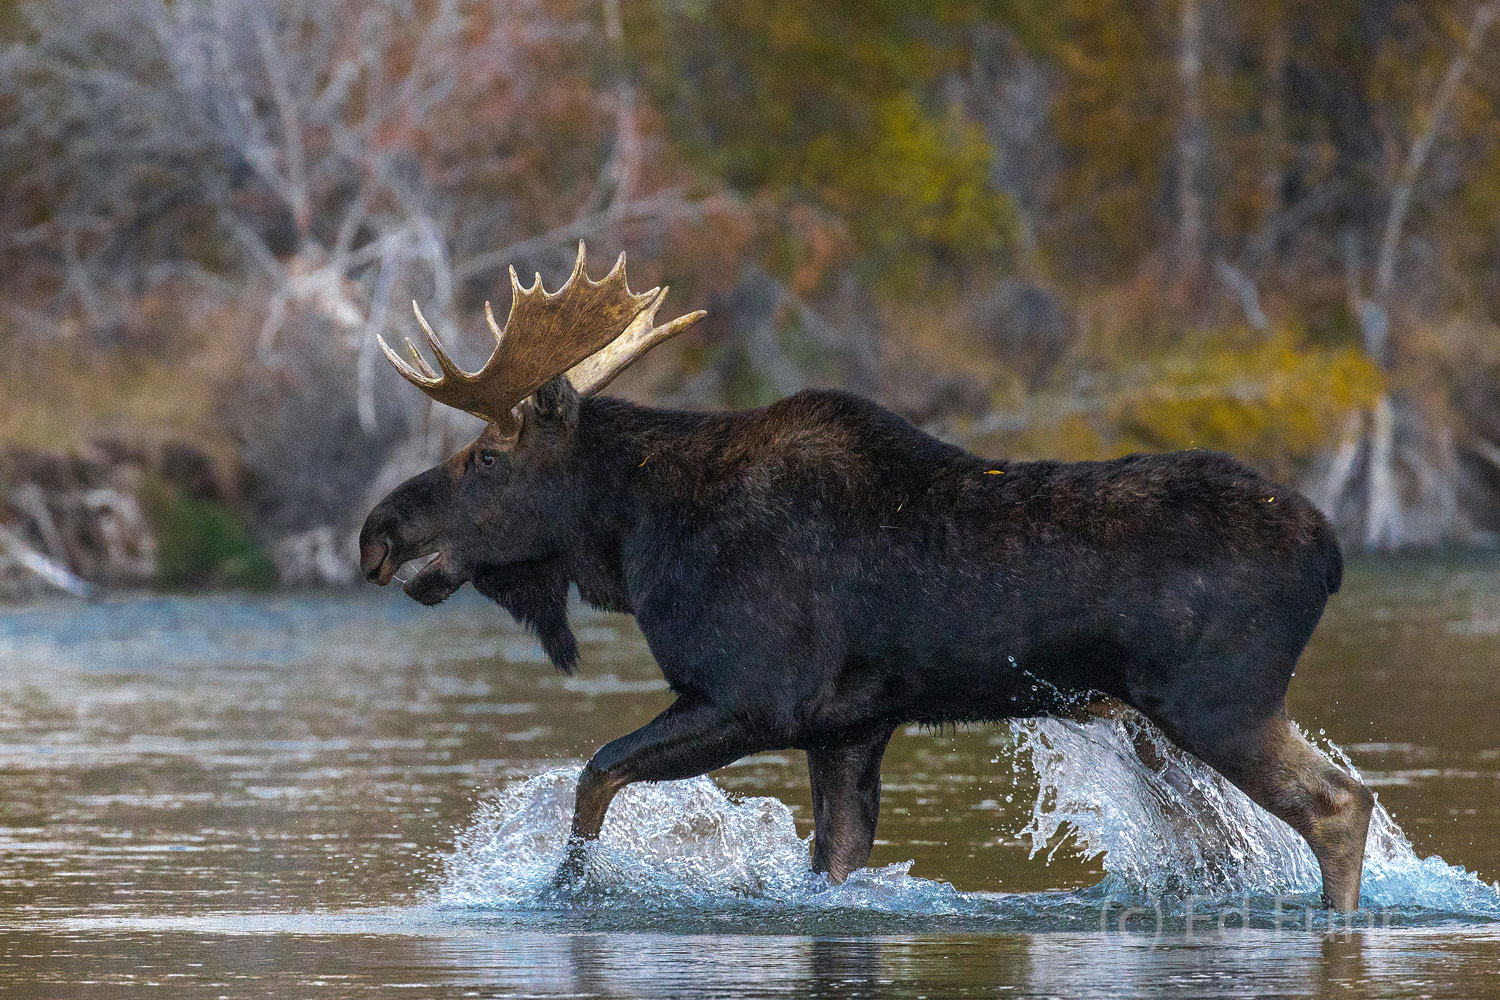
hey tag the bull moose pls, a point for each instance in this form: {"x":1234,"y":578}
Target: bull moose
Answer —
{"x":818,"y":572}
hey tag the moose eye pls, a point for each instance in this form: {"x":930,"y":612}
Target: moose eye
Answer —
{"x":488,"y":458}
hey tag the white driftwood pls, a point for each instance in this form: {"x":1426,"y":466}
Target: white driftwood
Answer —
{"x":48,"y":570}
{"x":319,"y":557}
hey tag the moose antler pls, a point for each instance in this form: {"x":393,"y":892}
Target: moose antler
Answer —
{"x":589,"y":329}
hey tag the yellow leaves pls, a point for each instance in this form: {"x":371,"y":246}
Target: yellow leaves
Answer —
{"x":1114,"y":129}
{"x":921,"y":187}
{"x":1275,"y":404}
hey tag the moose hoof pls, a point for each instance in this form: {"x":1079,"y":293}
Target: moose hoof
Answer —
{"x":570,"y":873}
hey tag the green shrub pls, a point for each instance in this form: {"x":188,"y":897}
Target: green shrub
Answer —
{"x":204,"y":545}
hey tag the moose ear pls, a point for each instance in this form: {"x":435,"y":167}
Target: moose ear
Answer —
{"x":556,"y":403}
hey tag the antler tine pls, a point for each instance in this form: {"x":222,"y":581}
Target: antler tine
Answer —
{"x":489,"y":317}
{"x":450,"y":370}
{"x":594,"y":373}
{"x":403,"y":369}
{"x":619,"y":269}
{"x":592,"y":328}
{"x":519,"y":291}
{"x":422,"y":364}
{"x":579,"y":269}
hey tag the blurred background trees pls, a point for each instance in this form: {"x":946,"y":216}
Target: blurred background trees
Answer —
{"x":1068,"y":230}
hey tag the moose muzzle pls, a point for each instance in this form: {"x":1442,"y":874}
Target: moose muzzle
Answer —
{"x":405,"y":527}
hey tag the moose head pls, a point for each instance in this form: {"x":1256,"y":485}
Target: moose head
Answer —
{"x":494,"y":504}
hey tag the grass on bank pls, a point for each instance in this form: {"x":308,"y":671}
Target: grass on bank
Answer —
{"x":58,"y":395}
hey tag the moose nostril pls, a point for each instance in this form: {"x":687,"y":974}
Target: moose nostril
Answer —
{"x":372,"y":557}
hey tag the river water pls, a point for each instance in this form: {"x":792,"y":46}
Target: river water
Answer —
{"x":350,"y":795}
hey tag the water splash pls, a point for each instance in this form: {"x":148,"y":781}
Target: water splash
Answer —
{"x":661,"y":845}
{"x":1175,"y":830}
{"x":1179,"y":828}
{"x":671,"y":847}
{"x":1171,"y":837}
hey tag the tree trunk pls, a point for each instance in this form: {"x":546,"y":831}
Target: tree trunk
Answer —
{"x":1430,"y":512}
{"x":626,"y":161}
{"x":1273,"y":135}
{"x":1191,"y":140}
{"x":1383,"y":503}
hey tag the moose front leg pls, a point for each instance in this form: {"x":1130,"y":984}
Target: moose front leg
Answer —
{"x":846,"y":803}
{"x":690,"y":738}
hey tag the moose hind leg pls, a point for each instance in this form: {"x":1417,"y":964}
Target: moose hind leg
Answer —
{"x":846,"y":803}
{"x":1288,"y":777}
{"x":1321,"y":801}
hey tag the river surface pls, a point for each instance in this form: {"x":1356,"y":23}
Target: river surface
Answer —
{"x":350,"y":795}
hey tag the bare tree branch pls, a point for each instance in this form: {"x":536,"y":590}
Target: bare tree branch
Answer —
{"x":659,"y":207}
{"x":1421,"y":148}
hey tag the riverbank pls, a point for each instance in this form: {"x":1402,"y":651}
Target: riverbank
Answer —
{"x":120,"y":515}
